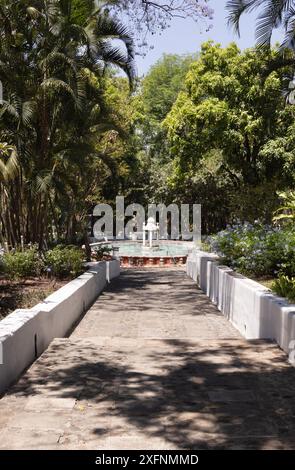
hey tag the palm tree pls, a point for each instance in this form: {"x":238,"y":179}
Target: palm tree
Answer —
{"x":273,"y":14}
{"x":52,"y":71}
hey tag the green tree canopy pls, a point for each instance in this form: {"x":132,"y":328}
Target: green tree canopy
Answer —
{"x":158,"y":90}
{"x":156,"y":94}
{"x":162,"y":84}
{"x":229,"y":104}
{"x":230,"y":136}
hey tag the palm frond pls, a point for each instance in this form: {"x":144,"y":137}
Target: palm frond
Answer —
{"x":275,"y":13}
{"x":81,"y":90}
{"x":42,"y":183}
{"x":289,"y":23}
{"x":33,"y":12}
{"x":11,"y":108}
{"x":270,"y":18}
{"x":55,"y":59}
{"x":58,"y":86}
{"x":236,"y":8}
{"x":28,"y":112}
{"x":101,"y":32}
{"x":116,"y":56}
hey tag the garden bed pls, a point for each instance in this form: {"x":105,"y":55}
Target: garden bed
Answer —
{"x":25,"y":293}
{"x":267,"y":282}
{"x":261,"y":252}
{"x":28,"y":276}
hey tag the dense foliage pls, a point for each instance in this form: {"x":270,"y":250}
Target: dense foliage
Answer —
{"x":54,"y":114}
{"x":285,"y":287}
{"x":60,"y":262}
{"x":22,"y":264}
{"x":256,"y":250}
{"x":155,"y":97}
{"x":230,"y":133}
{"x":211,"y":128}
{"x":64,"y":261}
{"x":259,"y":251}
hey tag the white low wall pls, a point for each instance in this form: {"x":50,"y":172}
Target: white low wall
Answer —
{"x":113,"y":269}
{"x":25,"y":334}
{"x":249,"y":306}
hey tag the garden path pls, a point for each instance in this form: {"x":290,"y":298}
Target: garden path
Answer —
{"x":153,"y":365}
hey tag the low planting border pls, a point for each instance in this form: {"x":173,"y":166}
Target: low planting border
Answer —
{"x":25,"y":334}
{"x":255,"y":311}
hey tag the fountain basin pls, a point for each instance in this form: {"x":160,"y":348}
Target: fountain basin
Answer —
{"x":166,"y":253}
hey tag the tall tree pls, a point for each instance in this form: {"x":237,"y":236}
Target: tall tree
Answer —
{"x":229,"y":106}
{"x":162,"y":84}
{"x":52,"y":70}
{"x":156,"y":95}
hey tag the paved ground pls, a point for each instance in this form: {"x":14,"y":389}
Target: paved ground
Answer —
{"x":153,"y":365}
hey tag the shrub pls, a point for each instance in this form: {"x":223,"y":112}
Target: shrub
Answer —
{"x":285,"y":287}
{"x":256,"y":249}
{"x":21,"y":264}
{"x":64,"y":261}
{"x":100,"y":252}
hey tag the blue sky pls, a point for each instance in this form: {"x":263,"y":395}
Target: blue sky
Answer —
{"x":185,"y":36}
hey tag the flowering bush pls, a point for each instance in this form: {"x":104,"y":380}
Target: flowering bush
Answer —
{"x":258,"y":250}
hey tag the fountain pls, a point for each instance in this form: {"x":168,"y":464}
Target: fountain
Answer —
{"x":151,"y":251}
{"x":151,"y":227}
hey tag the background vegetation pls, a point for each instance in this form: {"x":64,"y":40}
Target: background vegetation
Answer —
{"x":212,"y":128}
{"x":78,"y":127}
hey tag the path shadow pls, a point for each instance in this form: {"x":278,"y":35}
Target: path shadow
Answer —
{"x":153,"y":290}
{"x":228,"y":395}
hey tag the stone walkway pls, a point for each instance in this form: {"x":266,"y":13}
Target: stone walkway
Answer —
{"x":153,"y":365}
